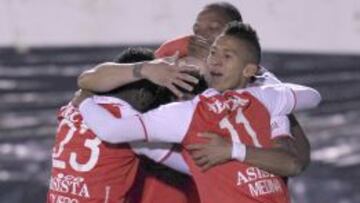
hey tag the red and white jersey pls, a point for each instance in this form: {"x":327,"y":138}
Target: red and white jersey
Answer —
{"x":160,"y":184}
{"x":85,"y":169}
{"x":242,"y":116}
{"x":170,"y":47}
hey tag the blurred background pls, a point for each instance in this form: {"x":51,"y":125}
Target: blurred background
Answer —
{"x":44,"y":45}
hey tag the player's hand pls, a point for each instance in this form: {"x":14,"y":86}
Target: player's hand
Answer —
{"x":215,"y":152}
{"x":198,"y":47}
{"x":166,"y":72}
{"x":80,"y":96}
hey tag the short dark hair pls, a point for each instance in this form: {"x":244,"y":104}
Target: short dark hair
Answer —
{"x":247,"y":34}
{"x":227,"y":9}
{"x":135,"y":54}
{"x":161,"y":95}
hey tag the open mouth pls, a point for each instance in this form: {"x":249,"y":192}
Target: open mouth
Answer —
{"x":216,"y":74}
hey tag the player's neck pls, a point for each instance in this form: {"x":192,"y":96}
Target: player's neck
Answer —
{"x":242,"y":84}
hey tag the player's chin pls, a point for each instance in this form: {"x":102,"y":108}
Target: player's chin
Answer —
{"x":217,"y":84}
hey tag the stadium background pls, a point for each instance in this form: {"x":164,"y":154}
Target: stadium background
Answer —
{"x":44,"y":45}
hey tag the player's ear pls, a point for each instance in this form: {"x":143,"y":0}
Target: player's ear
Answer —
{"x":250,"y":70}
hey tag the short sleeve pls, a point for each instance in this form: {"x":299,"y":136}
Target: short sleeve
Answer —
{"x":280,"y":126}
{"x":278,"y":99}
{"x":266,"y":78}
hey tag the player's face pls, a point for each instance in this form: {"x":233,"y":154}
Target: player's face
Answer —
{"x":209,"y":24}
{"x":225,"y":64}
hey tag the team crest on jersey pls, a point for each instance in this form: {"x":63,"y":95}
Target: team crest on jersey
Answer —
{"x":227,"y":102}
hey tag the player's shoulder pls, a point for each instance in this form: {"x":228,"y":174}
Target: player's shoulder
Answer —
{"x":261,"y":89}
{"x":184,"y":106}
{"x":264,"y":77}
{"x":207,"y":94}
{"x":259,"y":93}
{"x":170,"y":47}
{"x":251,"y":90}
{"x":116,"y":106}
{"x":109,"y":100}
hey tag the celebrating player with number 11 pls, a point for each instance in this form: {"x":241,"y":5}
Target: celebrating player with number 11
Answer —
{"x":231,"y":110}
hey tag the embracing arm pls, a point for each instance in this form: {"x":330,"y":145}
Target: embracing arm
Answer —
{"x":148,"y":126}
{"x":282,"y":159}
{"x":305,"y":97}
{"x":164,"y":72}
{"x":107,"y":76}
{"x":301,"y":142}
{"x":109,"y":128}
{"x":163,"y":153}
{"x":282,"y":99}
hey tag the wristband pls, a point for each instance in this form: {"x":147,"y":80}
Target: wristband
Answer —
{"x":137,"y":70}
{"x":238,"y":151}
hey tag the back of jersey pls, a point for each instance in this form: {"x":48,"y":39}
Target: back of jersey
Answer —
{"x":239,"y":117}
{"x":85,"y":169}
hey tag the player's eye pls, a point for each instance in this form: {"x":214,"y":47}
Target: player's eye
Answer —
{"x":228,"y":56}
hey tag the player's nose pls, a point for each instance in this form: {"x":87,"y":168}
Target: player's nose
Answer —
{"x":213,"y":62}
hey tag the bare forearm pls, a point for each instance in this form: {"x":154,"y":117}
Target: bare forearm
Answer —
{"x":281,"y":159}
{"x":301,"y":143}
{"x":107,"y":76}
{"x":276,"y":161}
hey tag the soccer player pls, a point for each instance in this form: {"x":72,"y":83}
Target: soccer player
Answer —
{"x":242,"y":115}
{"x":209,"y":23}
{"x":154,"y":188}
{"x":86,"y":169}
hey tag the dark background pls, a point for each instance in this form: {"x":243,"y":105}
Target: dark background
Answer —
{"x":34,"y":84}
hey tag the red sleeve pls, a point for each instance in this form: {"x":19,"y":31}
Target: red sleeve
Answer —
{"x":115,"y":110}
{"x":169,"y":48}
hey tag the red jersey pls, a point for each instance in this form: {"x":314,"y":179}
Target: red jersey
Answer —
{"x":238,"y":115}
{"x":170,"y":47}
{"x":163,"y":185}
{"x":85,"y":169}
{"x":243,"y":119}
